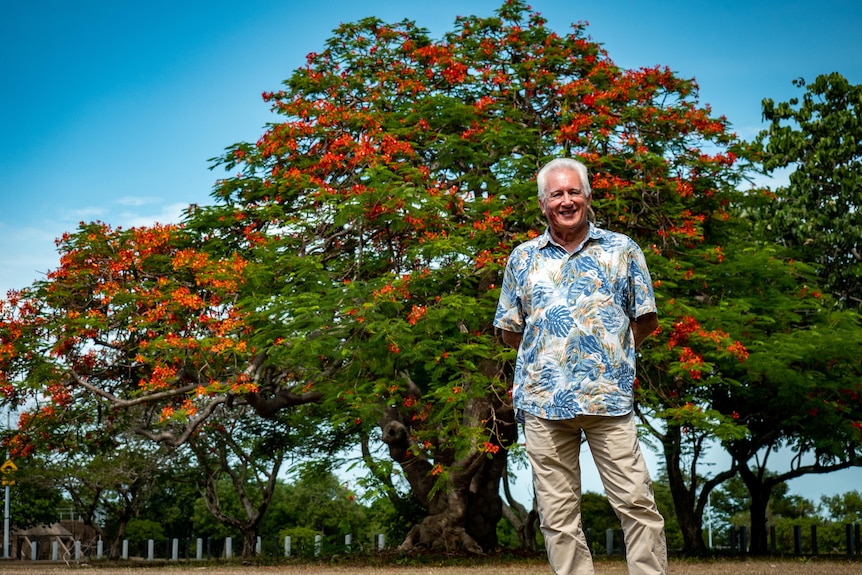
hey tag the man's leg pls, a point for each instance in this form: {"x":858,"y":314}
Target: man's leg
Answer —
{"x":616,"y":450}
{"x":553,"y":448}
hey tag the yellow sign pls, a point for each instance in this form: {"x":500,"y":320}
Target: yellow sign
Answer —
{"x":8,"y":470}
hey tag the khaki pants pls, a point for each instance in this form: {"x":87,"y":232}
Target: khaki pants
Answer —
{"x":553,"y":448}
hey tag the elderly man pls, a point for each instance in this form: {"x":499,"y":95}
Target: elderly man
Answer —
{"x":575,"y":302}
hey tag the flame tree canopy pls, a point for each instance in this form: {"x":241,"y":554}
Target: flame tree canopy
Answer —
{"x":345,"y":277}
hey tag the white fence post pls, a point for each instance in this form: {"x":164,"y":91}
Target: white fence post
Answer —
{"x":287,"y":545}
{"x":100,"y":546}
{"x":55,"y":551}
{"x":258,"y":546}
{"x":175,"y":552}
{"x":151,"y":549}
{"x":125,"y":548}
{"x":78,"y":550}
{"x":228,"y":547}
{"x":381,"y":541}
{"x":199,"y":552}
{"x":348,"y":539}
{"x":317,"y":539}
{"x":34,"y":550}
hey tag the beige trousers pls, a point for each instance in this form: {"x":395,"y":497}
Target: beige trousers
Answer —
{"x":553,"y":448}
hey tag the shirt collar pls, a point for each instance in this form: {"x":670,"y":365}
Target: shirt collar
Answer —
{"x":593,"y":233}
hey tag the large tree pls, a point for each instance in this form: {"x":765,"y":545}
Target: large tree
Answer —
{"x":389,"y":196}
{"x":136,"y":336}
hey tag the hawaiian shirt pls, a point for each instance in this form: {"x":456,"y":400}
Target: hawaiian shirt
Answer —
{"x":577,"y":355}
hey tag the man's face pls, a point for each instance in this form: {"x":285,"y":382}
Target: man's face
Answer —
{"x":565,"y":205}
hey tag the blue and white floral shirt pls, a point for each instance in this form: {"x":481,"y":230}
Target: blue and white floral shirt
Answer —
{"x":577,"y":355}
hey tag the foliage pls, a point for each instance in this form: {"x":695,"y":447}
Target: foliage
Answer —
{"x":819,"y":213}
{"x":35,"y":497}
{"x":109,"y":489}
{"x":395,"y":519}
{"x":141,"y":530}
{"x":844,"y":508}
{"x":732,"y":500}
{"x":206,"y":525}
{"x":323,"y":504}
{"x":597,"y":517}
{"x":792,"y":365}
{"x":788,"y":512}
{"x":136,"y":331}
{"x":805,"y":392}
{"x":172,"y":499}
{"x":798,"y":390}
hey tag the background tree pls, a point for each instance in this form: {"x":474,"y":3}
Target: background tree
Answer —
{"x":844,"y":508}
{"x":321,"y":502}
{"x":769,"y":386}
{"x":35,"y":497}
{"x":664,"y":501}
{"x":730,"y":502}
{"x":801,"y":377}
{"x":137,"y":333}
{"x":243,"y":454}
{"x":174,"y":495}
{"x":140,"y":531}
{"x":790,"y":506}
{"x":597,"y":517}
{"x":786,"y":513}
{"x":109,"y":490}
{"x":819,"y":213}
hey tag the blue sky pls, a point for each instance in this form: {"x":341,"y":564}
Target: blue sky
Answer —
{"x":111,"y":110}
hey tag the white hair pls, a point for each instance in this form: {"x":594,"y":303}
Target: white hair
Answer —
{"x":562,"y":164}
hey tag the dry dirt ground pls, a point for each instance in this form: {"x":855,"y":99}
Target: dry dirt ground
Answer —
{"x":817,"y":566}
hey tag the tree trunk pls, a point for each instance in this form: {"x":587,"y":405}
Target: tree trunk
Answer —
{"x":249,"y":541}
{"x":464,"y":516}
{"x":760,"y":492}
{"x":690,"y":492}
{"x":250,"y":475}
{"x":690,"y":521}
{"x":524,"y":522}
{"x":116,"y":543}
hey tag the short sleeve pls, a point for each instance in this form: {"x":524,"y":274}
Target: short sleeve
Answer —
{"x":509,"y":315}
{"x":641,"y":295}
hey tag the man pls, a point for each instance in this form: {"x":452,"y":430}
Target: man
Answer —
{"x":575,"y":302}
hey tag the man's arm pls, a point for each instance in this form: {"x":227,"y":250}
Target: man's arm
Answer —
{"x":512,"y":339}
{"x":642,"y":327}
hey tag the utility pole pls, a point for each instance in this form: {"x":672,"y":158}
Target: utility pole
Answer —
{"x":709,"y":517}
{"x":6,"y":526}
{"x":7,"y":478}
{"x":6,"y":508}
